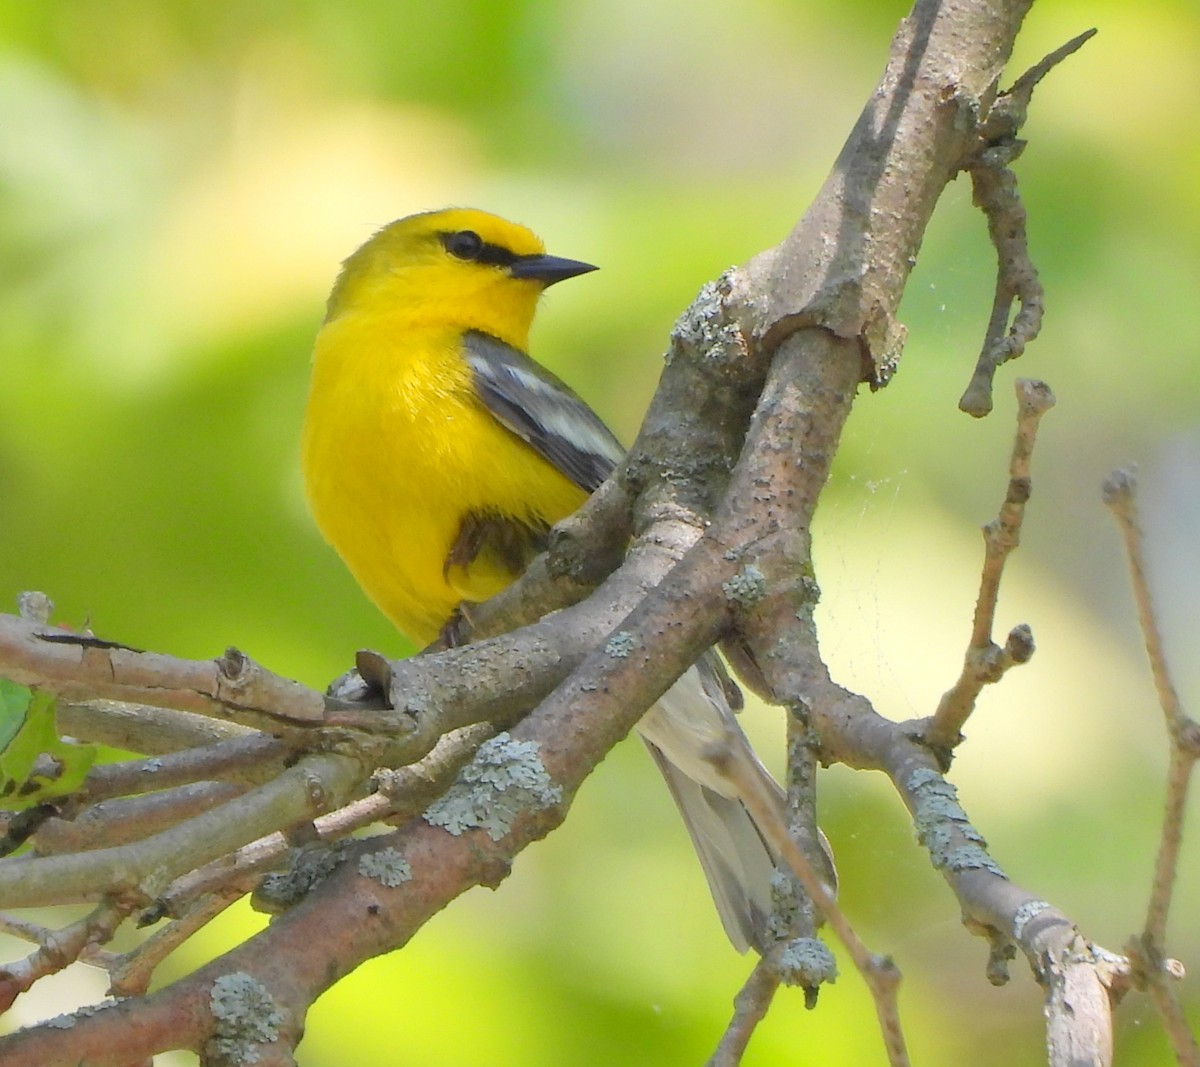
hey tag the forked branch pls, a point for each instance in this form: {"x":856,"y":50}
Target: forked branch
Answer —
{"x":986,"y":662}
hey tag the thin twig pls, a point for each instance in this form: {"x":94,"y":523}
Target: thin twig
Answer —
{"x":749,"y":1009}
{"x":130,"y":974}
{"x":198,"y":897}
{"x":231,"y":687}
{"x":142,"y":728}
{"x":24,"y":929}
{"x":1007,"y":115}
{"x":1148,"y":950}
{"x":880,"y":972}
{"x":401,"y":794}
{"x":125,"y":819}
{"x":315,"y":784}
{"x":249,"y":759}
{"x":1120,"y":496}
{"x":802,"y":744}
{"x":58,"y":948}
{"x":995,"y":192}
{"x":985,"y":661}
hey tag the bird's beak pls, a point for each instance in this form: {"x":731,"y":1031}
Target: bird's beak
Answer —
{"x":548,"y":269}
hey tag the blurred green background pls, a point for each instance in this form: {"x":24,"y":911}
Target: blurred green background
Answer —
{"x":178,"y":182}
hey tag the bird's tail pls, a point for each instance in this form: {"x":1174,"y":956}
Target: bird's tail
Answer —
{"x":692,"y":721}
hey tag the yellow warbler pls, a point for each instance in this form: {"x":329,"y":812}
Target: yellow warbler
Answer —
{"x":437,"y":454}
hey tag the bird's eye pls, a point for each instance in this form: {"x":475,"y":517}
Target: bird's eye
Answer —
{"x":465,"y":244}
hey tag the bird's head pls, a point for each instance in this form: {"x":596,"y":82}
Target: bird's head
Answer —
{"x":461,"y":265}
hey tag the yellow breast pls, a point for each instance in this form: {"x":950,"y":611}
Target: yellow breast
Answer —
{"x":397,"y":449}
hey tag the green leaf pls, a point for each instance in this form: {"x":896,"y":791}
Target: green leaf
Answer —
{"x":28,"y":731}
{"x":14,"y":700}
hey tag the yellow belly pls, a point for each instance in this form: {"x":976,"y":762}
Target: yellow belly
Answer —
{"x":396,"y":451}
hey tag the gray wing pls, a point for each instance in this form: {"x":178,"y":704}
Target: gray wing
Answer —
{"x":541,"y":410}
{"x":736,"y":862}
{"x":693,"y":717}
{"x":691,"y":720}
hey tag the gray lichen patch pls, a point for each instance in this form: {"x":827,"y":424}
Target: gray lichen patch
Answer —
{"x":807,"y":961}
{"x":386,"y":866}
{"x":747,"y":587}
{"x":505,"y":778}
{"x":706,"y":327}
{"x":620,"y":644}
{"x":943,"y":827}
{"x":1027,"y":912}
{"x":244,"y":1017}
{"x":309,"y":866}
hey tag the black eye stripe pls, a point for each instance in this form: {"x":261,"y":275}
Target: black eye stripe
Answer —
{"x":470,"y":247}
{"x":496,"y":255}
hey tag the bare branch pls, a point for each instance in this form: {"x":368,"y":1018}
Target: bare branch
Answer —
{"x":247,"y":759}
{"x":154,"y":731}
{"x":1152,"y":968}
{"x":985,"y":661}
{"x":880,"y":973}
{"x":1007,"y":115}
{"x":314,"y":785}
{"x":130,"y":973}
{"x":58,"y":948}
{"x":1120,"y":496}
{"x":1080,"y":980}
{"x":812,"y":381}
{"x":750,"y":1007}
{"x":80,"y":667}
{"x":1079,"y":985}
{"x":125,"y":819}
{"x":402,"y":794}
{"x":995,"y":193}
